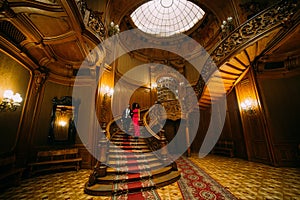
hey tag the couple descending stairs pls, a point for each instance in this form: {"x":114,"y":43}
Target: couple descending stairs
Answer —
{"x":131,"y":168}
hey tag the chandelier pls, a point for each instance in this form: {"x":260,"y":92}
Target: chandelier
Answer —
{"x":113,"y":29}
{"x":227,"y":26}
{"x":10,"y":101}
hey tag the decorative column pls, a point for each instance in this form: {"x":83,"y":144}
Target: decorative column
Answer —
{"x":32,"y":104}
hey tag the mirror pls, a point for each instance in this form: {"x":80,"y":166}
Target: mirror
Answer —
{"x":63,"y":118}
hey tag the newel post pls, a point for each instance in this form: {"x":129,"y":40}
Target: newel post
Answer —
{"x":164,"y":148}
{"x":100,"y":167}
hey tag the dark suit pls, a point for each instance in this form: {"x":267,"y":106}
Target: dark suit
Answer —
{"x":126,"y":119}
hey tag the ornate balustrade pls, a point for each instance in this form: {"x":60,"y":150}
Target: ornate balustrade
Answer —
{"x":92,"y":19}
{"x":278,"y":15}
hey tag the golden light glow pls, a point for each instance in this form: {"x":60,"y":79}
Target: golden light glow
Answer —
{"x":108,"y":91}
{"x":8,"y":94}
{"x":62,"y":123}
{"x":153,"y":85}
{"x":10,"y":101}
{"x":248,"y":105}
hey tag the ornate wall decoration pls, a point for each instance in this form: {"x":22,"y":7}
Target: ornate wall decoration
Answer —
{"x":40,"y":76}
{"x":173,"y":110}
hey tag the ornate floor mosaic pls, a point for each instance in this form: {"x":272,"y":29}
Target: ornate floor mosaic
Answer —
{"x":69,"y":186}
{"x":196,"y":184}
{"x":245,"y":180}
{"x":249,"y":180}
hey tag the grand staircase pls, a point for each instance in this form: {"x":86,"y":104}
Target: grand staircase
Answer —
{"x":131,"y":168}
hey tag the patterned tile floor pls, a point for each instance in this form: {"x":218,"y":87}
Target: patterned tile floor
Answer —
{"x":248,"y":180}
{"x":245,"y":180}
{"x":68,"y":186}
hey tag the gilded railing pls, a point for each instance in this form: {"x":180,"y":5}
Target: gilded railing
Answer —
{"x":150,"y":123}
{"x":91,"y":19}
{"x":246,"y":34}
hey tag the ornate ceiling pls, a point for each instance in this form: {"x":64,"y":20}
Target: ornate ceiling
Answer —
{"x":207,"y":32}
{"x":47,"y":36}
{"x":54,"y":37}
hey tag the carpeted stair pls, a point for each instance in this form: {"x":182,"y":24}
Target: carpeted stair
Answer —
{"x":132,"y":168}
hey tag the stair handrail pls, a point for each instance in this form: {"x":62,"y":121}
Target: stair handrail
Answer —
{"x":245,"y":35}
{"x":109,"y":124}
{"x":114,"y":120}
{"x":147,"y":126}
{"x":92,"y":20}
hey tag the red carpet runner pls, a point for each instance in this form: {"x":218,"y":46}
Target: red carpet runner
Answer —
{"x":132,"y":156}
{"x":196,"y":184}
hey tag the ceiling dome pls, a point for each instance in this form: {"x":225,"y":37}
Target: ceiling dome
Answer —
{"x":166,"y":17}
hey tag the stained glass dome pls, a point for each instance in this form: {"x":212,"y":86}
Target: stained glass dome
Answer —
{"x":167,"y":17}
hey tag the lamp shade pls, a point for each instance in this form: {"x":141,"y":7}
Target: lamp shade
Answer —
{"x":17,"y":98}
{"x":8,"y":94}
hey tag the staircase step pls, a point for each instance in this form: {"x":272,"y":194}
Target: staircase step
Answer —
{"x":120,"y":162}
{"x":128,"y":177}
{"x":134,"y":146}
{"x":130,"y":139}
{"x":130,"y":156}
{"x":122,"y":151}
{"x":134,"y":169}
{"x":104,"y":189}
{"x":126,"y":143}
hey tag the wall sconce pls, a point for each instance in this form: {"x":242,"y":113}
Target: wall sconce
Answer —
{"x":10,"y":101}
{"x":113,"y":29}
{"x":62,"y":123}
{"x":248,"y":106}
{"x":153,"y":85}
{"x":108,"y":92}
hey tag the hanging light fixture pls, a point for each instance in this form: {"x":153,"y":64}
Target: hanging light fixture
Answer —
{"x":10,"y":101}
{"x":113,"y":29}
{"x":227,"y":26}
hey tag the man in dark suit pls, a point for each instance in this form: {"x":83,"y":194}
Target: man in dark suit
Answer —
{"x":126,"y":117}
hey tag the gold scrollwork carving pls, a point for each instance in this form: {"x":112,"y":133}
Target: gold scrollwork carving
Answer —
{"x":273,"y":17}
{"x":40,"y":76}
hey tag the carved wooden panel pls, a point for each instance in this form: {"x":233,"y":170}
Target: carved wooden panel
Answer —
{"x":280,"y":98}
{"x":286,"y":154}
{"x":87,"y":158}
{"x":255,"y":131}
{"x":55,"y":26}
{"x":233,"y":118}
{"x":68,"y":51}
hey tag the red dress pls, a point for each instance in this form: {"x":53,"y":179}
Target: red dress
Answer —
{"x":135,"y":120}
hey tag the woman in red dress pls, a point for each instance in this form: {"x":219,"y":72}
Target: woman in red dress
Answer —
{"x":136,"y":118}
